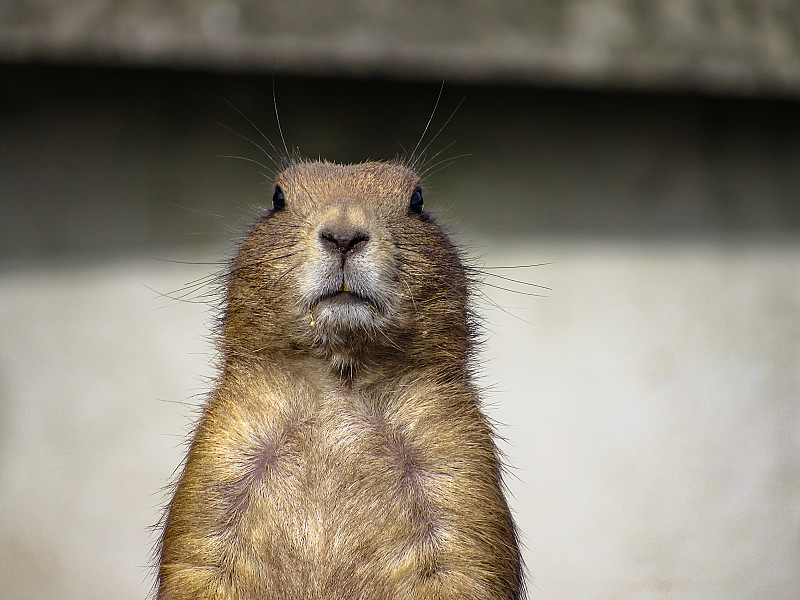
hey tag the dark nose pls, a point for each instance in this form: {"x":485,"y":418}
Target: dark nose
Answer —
{"x":342,"y":242}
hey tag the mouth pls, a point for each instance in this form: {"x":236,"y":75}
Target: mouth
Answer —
{"x":338,"y":312}
{"x":341,"y":310}
{"x":341,"y":298}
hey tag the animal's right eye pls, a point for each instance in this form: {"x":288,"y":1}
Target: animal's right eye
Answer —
{"x":415,"y":205}
{"x":278,"y":199}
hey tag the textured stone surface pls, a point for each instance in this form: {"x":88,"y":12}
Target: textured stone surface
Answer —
{"x":749,"y":46}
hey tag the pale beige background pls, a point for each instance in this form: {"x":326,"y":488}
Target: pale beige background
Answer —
{"x":649,"y":403}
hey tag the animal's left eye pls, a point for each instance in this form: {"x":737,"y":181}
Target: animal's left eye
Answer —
{"x":415,"y":205}
{"x":278,"y":199}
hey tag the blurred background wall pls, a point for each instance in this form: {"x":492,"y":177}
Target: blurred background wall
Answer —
{"x":647,"y":152}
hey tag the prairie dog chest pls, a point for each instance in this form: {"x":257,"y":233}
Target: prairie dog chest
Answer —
{"x":321,"y":482}
{"x":316,"y":456}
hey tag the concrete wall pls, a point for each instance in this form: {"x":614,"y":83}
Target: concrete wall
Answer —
{"x":650,"y":407}
{"x":650,"y":399}
{"x":140,"y":155}
{"x":745,"y":47}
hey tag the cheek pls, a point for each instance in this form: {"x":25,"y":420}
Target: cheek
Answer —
{"x":317,"y":273}
{"x":376,"y":272}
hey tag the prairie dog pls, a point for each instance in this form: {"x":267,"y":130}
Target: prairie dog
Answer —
{"x":343,"y":454}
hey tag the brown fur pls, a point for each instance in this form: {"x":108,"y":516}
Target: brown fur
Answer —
{"x":343,"y":454}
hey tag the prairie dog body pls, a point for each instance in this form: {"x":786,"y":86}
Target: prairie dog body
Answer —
{"x":342,"y":454}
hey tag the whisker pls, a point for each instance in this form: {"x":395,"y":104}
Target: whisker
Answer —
{"x":428,"y":124}
{"x":443,"y":164}
{"x":536,"y":285}
{"x":544,"y":264}
{"x":505,"y":289}
{"x":278,"y":164}
{"x":494,"y":303}
{"x":265,"y":173}
{"x":278,"y":118}
{"x":442,"y":128}
{"x":187,"y":262}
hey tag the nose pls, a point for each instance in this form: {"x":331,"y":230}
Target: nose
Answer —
{"x":342,"y":241}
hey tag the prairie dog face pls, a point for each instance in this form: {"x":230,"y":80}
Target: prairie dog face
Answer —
{"x":348,"y":266}
{"x":345,"y":257}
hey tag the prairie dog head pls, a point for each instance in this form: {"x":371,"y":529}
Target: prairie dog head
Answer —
{"x":345,"y":264}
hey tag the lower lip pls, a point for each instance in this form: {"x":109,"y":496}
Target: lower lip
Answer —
{"x":342,"y":298}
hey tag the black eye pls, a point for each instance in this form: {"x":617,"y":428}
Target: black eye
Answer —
{"x":415,"y":205}
{"x":278,"y":200}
